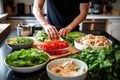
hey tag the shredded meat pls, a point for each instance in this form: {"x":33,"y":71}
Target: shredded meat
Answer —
{"x":67,"y":68}
{"x":91,"y":40}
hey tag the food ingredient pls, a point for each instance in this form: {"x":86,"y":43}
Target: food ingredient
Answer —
{"x":42,"y":36}
{"x":67,"y":69}
{"x":54,"y":46}
{"x":27,"y":58}
{"x":71,"y":36}
{"x":92,"y":40}
{"x":103,"y":64}
{"x":20,"y":40}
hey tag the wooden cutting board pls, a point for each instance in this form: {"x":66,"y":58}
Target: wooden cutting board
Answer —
{"x":72,"y":50}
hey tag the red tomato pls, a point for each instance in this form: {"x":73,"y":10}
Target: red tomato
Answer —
{"x":54,"y":46}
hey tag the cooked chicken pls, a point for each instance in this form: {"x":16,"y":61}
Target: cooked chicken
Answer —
{"x":91,"y":40}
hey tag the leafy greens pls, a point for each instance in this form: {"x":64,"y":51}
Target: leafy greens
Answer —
{"x":104,"y":61}
{"x":27,"y":58}
{"x":72,"y":35}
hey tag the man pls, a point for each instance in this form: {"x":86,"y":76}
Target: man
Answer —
{"x":63,"y":16}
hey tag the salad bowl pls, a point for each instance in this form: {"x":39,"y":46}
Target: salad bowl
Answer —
{"x":26,"y":61}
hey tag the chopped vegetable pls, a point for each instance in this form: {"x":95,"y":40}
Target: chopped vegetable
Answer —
{"x":42,"y":36}
{"x":54,"y":46}
{"x":20,"y":40}
{"x":27,"y":58}
{"x":71,"y":36}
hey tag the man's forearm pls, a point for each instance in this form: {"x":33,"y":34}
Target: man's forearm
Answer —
{"x":38,"y":13}
{"x":78,"y":20}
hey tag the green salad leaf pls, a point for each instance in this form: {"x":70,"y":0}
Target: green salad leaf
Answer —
{"x":20,"y":40}
{"x":27,"y":58}
{"x":42,"y":36}
{"x":72,"y":35}
{"x":23,"y":40}
{"x":105,"y":61}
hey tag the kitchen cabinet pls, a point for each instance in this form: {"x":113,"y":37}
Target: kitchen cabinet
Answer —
{"x":93,"y":24}
{"x":22,"y":20}
{"x":113,"y":28}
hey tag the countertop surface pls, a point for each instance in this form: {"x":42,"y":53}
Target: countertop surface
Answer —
{"x":8,"y":74}
{"x":89,"y":16}
{"x":102,"y":16}
{"x":3,"y":16}
{"x":3,"y":27}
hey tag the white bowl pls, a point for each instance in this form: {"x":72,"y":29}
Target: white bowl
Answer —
{"x":29,"y":68}
{"x":19,"y":46}
{"x":81,"y":46}
{"x":59,"y":61}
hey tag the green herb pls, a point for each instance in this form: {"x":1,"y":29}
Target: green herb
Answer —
{"x":104,"y":61}
{"x":26,"y":58}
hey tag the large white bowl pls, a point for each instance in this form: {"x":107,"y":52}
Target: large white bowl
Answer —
{"x":56,"y":62}
{"x":27,"y":69}
{"x":81,"y":46}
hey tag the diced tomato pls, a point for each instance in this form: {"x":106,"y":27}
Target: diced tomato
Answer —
{"x":54,"y":46}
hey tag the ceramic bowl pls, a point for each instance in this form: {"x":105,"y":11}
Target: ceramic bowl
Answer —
{"x":81,"y":46}
{"x":19,"y":46}
{"x":59,"y":61}
{"x":26,"y":69}
{"x":55,"y":47}
{"x":55,"y":51}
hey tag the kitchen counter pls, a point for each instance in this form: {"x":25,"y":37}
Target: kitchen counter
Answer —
{"x":4,"y":30}
{"x":3,"y":27}
{"x":89,"y":16}
{"x":22,"y":17}
{"x":8,"y":74}
{"x":102,"y":16}
{"x":3,"y":16}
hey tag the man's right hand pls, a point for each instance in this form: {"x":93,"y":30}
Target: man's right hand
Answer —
{"x":51,"y":31}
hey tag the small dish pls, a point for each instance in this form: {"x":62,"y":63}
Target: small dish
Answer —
{"x":16,"y":46}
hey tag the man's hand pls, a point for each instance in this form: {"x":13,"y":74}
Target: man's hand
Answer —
{"x":64,"y":31}
{"x":52,"y":32}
